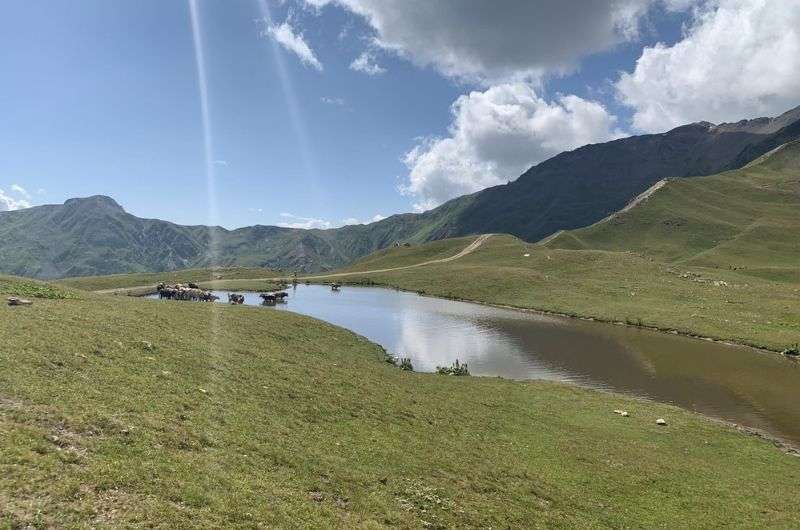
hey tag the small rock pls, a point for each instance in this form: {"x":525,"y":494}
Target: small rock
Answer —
{"x":623,"y":413}
{"x":661,"y":421}
{"x":204,"y":391}
{"x":316,"y":496}
{"x":19,"y":301}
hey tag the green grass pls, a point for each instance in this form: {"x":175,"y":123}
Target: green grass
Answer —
{"x":713,"y":256}
{"x":120,"y":281}
{"x":120,"y":412}
{"x":742,"y":220}
{"x":20,"y":287}
{"x":403,"y":256}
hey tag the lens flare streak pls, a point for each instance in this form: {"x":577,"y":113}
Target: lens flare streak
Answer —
{"x":208,"y":138}
{"x":291,"y":104}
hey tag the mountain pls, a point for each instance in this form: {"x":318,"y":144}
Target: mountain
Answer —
{"x":746,"y":220}
{"x":580,"y":187}
{"x":574,"y":189}
{"x":94,"y":235}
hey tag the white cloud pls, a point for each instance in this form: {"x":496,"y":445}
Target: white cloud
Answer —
{"x":367,"y":64}
{"x":293,"y":41}
{"x":738,"y":59}
{"x":496,"y":41}
{"x":680,"y":5}
{"x":9,"y":203}
{"x":354,"y":221}
{"x":20,"y":190}
{"x":495,"y":136}
{"x":306,"y":223}
{"x":296,"y":221}
{"x":221,"y":163}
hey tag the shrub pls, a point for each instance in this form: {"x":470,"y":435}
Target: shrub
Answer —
{"x":405,"y":365}
{"x":33,"y":289}
{"x":455,"y":369}
{"x":794,"y":351}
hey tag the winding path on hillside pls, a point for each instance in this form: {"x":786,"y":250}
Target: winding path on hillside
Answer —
{"x":469,"y":249}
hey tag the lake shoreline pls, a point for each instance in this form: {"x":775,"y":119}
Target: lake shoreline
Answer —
{"x":143,"y":291}
{"x":759,"y":348}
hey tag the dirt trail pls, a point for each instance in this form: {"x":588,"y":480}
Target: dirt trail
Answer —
{"x":469,"y":249}
{"x":549,"y":238}
{"x":472,"y":247}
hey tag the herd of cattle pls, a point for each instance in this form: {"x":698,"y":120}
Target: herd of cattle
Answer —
{"x":191,"y":292}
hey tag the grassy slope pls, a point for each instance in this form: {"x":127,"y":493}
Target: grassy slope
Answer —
{"x":655,"y":264}
{"x":747,"y":219}
{"x":118,"y":412}
{"x":404,"y":256}
{"x":118,"y":281}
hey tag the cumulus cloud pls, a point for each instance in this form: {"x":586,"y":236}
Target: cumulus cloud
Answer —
{"x":738,"y":59}
{"x":366,"y":63}
{"x":294,"y":42}
{"x":296,"y":221}
{"x":495,"y":136}
{"x":10,"y":202}
{"x":496,"y":41}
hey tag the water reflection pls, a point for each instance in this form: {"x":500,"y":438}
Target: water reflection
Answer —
{"x":733,"y":383}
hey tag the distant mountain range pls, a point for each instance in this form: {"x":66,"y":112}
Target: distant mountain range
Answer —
{"x":574,"y":189}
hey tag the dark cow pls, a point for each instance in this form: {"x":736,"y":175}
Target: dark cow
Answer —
{"x":268,"y":298}
{"x":235,"y":299}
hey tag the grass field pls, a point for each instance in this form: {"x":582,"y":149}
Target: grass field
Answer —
{"x":745,"y":220}
{"x":715,"y":256}
{"x":128,"y":412}
{"x":411,"y":255}
{"x":120,"y":281}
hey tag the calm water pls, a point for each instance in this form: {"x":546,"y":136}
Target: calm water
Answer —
{"x":733,"y":383}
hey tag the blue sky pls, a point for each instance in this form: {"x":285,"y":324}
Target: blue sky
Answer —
{"x":102,"y":97}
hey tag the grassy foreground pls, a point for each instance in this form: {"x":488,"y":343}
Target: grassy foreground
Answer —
{"x":129,"y":412}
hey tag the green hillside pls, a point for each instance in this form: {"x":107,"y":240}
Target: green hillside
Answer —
{"x":409,"y":255}
{"x":747,"y":220}
{"x":121,"y":412}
